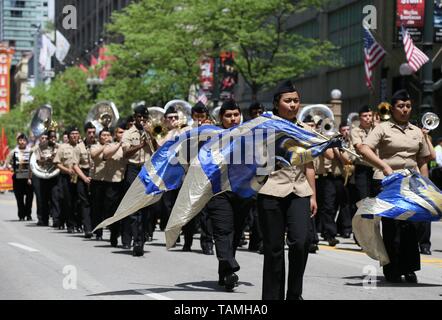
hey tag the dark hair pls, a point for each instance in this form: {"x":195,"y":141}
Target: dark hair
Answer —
{"x":364,"y":109}
{"x":256,"y":106}
{"x":170,"y":110}
{"x":400,"y":95}
{"x":88,"y":126}
{"x":343,"y":124}
{"x":22,"y":136}
{"x":199,"y":108}
{"x":105,"y":129}
{"x":228,"y":105}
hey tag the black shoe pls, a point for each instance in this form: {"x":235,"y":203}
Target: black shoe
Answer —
{"x":411,"y":277}
{"x":426,"y":251}
{"x":21,"y":219}
{"x":231,"y":281}
{"x":346,"y":235}
{"x":138,"y":251}
{"x":393,"y":278}
{"x":98,"y":237}
{"x":126,"y":246}
{"x":187,"y":248}
{"x":332,"y":242}
{"x":28,"y":218}
{"x":88,"y":235}
{"x":313,"y":248}
{"x":242,"y":242}
{"x":208,"y":251}
{"x":114,"y":242}
{"x":70,"y":230}
{"x":149,"y":239}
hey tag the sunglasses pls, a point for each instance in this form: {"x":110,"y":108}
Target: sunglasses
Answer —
{"x":172,"y":117}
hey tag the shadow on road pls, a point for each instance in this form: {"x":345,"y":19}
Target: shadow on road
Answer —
{"x":381,"y":282}
{"x":200,"y":286}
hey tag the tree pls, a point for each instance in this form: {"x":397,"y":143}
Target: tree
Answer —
{"x":170,"y":37}
{"x":68,"y":95}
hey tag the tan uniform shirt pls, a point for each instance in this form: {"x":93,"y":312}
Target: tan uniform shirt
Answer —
{"x":398,"y":147}
{"x":65,"y":155}
{"x":98,"y":164}
{"x":358,"y":136}
{"x":82,"y":156}
{"x":45,"y":156}
{"x":115,"y":166}
{"x":132,"y":137}
{"x":288,"y":180}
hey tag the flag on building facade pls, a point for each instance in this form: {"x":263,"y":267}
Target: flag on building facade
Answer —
{"x":62,"y":45}
{"x":415,"y":57}
{"x":373,"y":55}
{"x":47,"y":50}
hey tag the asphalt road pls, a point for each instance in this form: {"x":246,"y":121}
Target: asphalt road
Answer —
{"x":43,"y":263}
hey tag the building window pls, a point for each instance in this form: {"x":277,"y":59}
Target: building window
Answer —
{"x":18,"y":4}
{"x":16,"y":14}
{"x":345,"y":31}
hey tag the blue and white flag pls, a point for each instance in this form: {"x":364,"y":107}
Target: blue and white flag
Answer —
{"x":406,"y":196}
{"x":238,"y":160}
{"x":209,"y":160}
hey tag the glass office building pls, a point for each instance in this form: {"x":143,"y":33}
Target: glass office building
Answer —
{"x":18,"y":23}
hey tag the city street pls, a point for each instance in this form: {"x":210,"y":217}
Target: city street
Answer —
{"x":43,"y":263}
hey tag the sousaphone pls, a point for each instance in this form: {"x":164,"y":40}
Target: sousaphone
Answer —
{"x":103,"y":115}
{"x":41,"y":122}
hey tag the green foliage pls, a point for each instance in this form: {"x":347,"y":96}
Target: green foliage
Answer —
{"x":171,"y":36}
{"x":68,"y":95}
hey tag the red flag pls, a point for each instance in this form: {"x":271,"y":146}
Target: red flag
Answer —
{"x":83,"y":68}
{"x":94,"y":61}
{"x":104,"y":72}
{"x":102,"y":55}
{"x":4,"y":149}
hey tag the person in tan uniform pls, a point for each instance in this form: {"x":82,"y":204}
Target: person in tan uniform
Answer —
{"x":82,"y":168}
{"x":286,"y":202}
{"x":363,"y":170}
{"x":97,"y":186}
{"x":67,"y":187}
{"x":115,"y":168}
{"x":138,"y":146}
{"x":44,"y":154}
{"x":400,"y":145}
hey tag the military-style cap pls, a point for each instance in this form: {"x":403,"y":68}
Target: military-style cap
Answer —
{"x":402,"y":95}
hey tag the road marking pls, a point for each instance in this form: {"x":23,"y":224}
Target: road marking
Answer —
{"x":21,"y":246}
{"x":152,"y":295}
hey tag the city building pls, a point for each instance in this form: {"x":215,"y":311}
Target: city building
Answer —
{"x":92,"y":15}
{"x":341,"y":23}
{"x":18,"y":24}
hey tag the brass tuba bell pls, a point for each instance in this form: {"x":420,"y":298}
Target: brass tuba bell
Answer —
{"x":384,"y":111}
{"x":430,"y":121}
{"x":156,"y":122}
{"x":103,"y":115}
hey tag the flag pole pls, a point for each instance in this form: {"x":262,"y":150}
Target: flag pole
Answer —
{"x":427,"y":69}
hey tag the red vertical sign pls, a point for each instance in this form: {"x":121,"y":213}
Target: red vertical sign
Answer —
{"x":6,"y":54}
{"x":411,"y":15}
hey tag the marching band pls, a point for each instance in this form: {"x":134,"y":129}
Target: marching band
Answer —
{"x":80,"y":183}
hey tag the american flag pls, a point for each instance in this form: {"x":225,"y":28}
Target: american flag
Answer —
{"x":203,"y":99}
{"x":416,"y":58}
{"x":374,"y":53}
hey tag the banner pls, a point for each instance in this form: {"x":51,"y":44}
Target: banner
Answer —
{"x":5,"y":180}
{"x":6,"y":54}
{"x":438,"y":21}
{"x":411,"y":15}
{"x":207,"y":66}
{"x":229,"y":76}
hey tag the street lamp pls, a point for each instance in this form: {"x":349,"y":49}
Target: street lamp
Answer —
{"x":94,"y":83}
{"x":336,"y":104}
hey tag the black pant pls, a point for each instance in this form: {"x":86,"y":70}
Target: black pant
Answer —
{"x":400,"y":240}
{"x":277,"y":215}
{"x":48,"y":189}
{"x":134,"y":225}
{"x":206,"y":236}
{"x":364,"y":182}
{"x":36,"y":186}
{"x":423,"y":230}
{"x":24,"y":196}
{"x":68,"y":197}
{"x":335,"y":197}
{"x":84,"y":196}
{"x":112,"y":197}
{"x":255,"y":228}
{"x":98,"y":203}
{"x":168,"y":199}
{"x":227,"y":213}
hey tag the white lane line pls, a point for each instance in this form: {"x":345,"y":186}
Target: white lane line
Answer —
{"x":152,"y":295}
{"x":21,"y":246}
